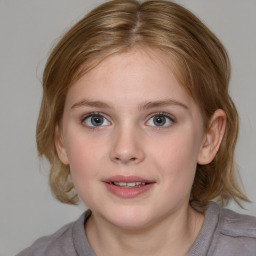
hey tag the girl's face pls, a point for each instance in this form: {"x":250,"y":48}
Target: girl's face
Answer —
{"x":132,"y":137}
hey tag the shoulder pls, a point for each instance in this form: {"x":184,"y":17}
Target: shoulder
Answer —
{"x":235,"y":234}
{"x":61,"y":243}
{"x":50,"y":245}
{"x":238,"y":225}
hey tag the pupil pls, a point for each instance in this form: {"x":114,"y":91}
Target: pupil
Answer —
{"x":159,"y":120}
{"x":97,"y":120}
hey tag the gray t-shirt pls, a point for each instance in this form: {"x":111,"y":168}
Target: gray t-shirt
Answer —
{"x":224,"y":233}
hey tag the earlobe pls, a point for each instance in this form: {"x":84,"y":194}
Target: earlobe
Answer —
{"x":60,"y":147}
{"x":213,"y":137}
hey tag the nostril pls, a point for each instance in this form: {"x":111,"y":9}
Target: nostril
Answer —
{"x":126,"y":159}
{"x":126,"y":153}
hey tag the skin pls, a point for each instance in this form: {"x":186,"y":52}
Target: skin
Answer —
{"x":128,"y":90}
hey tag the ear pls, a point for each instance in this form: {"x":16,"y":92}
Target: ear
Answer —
{"x":60,"y":147}
{"x":212,"y":138}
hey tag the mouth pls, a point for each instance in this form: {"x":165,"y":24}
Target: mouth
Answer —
{"x":128,"y":186}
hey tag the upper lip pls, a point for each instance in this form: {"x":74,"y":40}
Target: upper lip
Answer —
{"x":127,"y":179}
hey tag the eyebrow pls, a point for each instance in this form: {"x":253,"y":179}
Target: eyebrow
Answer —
{"x":143,"y":106}
{"x":90,"y":103}
{"x":161,"y":103}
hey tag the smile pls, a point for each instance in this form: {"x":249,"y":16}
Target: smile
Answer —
{"x":128,"y":186}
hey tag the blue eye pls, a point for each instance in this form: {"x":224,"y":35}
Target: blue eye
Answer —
{"x":95,"y":120}
{"x":160,"y":120}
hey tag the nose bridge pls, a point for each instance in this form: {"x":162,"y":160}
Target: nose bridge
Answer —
{"x":126,"y":145}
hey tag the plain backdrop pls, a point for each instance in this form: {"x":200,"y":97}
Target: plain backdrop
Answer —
{"x":28,"y":30}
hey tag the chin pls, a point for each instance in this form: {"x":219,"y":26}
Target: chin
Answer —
{"x":131,"y":218}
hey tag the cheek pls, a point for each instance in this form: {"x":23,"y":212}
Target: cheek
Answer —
{"x":84,"y":168}
{"x":84,"y":156}
{"x":176,"y":160}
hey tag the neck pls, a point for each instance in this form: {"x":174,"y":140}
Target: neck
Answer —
{"x":173,"y":235}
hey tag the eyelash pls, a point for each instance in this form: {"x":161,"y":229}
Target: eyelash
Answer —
{"x":165,"y":115}
{"x":84,"y":118}
{"x":158,"y":114}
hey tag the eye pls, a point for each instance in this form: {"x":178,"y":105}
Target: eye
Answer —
{"x":95,"y":120}
{"x":160,"y":120}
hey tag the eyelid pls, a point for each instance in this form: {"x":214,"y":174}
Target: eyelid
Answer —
{"x":85,"y":116}
{"x":164,"y":114}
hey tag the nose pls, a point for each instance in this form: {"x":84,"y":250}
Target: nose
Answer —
{"x":127,"y":146}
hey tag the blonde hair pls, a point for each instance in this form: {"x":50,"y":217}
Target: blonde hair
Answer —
{"x":204,"y":71}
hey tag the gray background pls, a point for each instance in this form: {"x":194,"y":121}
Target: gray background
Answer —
{"x":28,"y":30}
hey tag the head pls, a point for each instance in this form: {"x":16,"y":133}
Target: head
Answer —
{"x":199,"y":62}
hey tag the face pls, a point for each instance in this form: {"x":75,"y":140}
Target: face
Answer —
{"x":132,"y":137}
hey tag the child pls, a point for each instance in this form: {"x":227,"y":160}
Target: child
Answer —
{"x":137,"y":121}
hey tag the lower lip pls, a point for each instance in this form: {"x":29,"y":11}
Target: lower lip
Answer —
{"x":128,"y":192}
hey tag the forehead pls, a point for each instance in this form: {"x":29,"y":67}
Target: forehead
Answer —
{"x":101,"y":61}
{"x":147,"y":74}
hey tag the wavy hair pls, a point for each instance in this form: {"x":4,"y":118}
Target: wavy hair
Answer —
{"x":204,"y":71}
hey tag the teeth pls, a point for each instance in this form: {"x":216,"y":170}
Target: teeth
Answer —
{"x":129,"y":184}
